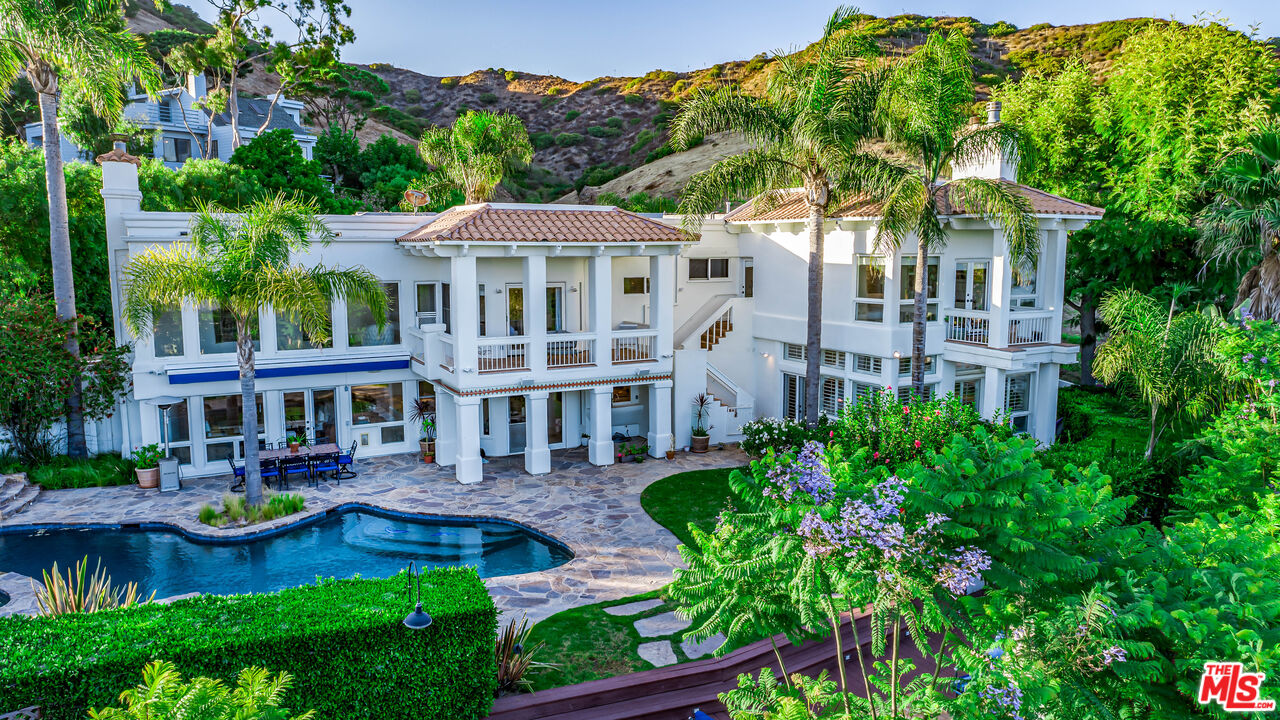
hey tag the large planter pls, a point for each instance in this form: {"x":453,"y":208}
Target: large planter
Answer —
{"x":699,"y":443}
{"x":293,"y":448}
{"x":149,"y":478}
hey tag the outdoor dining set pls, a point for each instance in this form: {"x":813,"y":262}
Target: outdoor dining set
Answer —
{"x":312,"y":462}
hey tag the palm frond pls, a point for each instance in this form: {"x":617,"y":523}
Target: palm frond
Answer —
{"x":727,"y":109}
{"x":751,"y":173}
{"x":165,"y":277}
{"x":1001,"y":202}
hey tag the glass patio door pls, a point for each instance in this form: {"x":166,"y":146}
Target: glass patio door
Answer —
{"x":515,"y":424}
{"x":515,"y":310}
{"x":555,"y":308}
{"x":972,"y":285}
{"x":311,"y":414}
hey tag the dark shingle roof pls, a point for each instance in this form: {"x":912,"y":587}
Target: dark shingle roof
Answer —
{"x":253,"y":111}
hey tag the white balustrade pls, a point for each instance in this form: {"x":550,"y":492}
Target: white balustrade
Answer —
{"x":968,"y":326}
{"x":502,"y":354}
{"x":1031,"y":328}
{"x":635,"y":346}
{"x":570,"y":350}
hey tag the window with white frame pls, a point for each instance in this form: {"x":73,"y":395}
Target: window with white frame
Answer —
{"x":362,"y":327}
{"x":1017,"y":401}
{"x":224,"y":428}
{"x":426,"y":305}
{"x":905,"y":393}
{"x":177,"y":149}
{"x":218,"y":331}
{"x":179,"y":431}
{"x":907,"y":290}
{"x":795,"y":352}
{"x":967,"y":390}
{"x":833,"y":359}
{"x":291,"y":336}
{"x":167,"y":335}
{"x":1022,"y":294}
{"x":380,"y":406}
{"x":930,"y":365}
{"x":831,"y":396}
{"x":792,"y":396}
{"x":635,"y":285}
{"x":867,"y":364}
{"x":868,"y":303}
{"x":708,"y":268}
{"x":830,"y":358}
{"x":865,"y":392}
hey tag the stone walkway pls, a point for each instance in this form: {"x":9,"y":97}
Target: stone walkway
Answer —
{"x":664,"y":628}
{"x":618,"y":550}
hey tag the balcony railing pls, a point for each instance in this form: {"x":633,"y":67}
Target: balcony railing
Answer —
{"x":446,"y":352}
{"x":968,"y":326}
{"x":635,"y":346}
{"x":502,"y":355}
{"x":570,"y":351}
{"x":1030,"y":328}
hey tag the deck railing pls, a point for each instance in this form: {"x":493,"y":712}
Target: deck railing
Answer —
{"x":570,"y":350}
{"x":1031,"y":328}
{"x":969,"y":326}
{"x":635,"y":346}
{"x":502,"y":354}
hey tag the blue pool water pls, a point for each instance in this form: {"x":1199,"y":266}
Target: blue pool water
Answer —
{"x":340,"y":544}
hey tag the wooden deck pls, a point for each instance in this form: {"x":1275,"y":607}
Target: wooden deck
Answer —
{"x":672,"y":693}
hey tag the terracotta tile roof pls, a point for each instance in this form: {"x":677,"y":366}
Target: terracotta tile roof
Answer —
{"x":492,"y":222}
{"x":792,"y":207}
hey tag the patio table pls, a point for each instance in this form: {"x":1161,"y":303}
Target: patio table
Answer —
{"x":304,"y":451}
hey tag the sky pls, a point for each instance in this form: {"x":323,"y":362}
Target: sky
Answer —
{"x":583,"y":39}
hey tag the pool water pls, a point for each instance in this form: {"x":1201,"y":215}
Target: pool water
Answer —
{"x":340,"y":544}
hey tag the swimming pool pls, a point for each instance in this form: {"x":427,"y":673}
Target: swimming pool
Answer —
{"x":341,"y":543}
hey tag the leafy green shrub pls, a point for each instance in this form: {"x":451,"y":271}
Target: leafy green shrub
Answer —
{"x":632,"y":99}
{"x":488,"y":98}
{"x":568,"y":139}
{"x":63,"y":472}
{"x":638,"y":202}
{"x":636,"y":120}
{"x":603,"y":132}
{"x":541,"y":140}
{"x":418,"y":110}
{"x":449,"y":81}
{"x":661,"y":152}
{"x":164,"y":694}
{"x":645,"y":137}
{"x":1001,"y":28}
{"x":572,"y":115}
{"x":599,"y":175}
{"x":614,"y":122}
{"x":413,"y":95}
{"x":511,"y":75}
{"x":342,"y":640}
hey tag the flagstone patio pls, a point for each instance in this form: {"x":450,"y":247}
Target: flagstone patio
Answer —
{"x":618,"y":550}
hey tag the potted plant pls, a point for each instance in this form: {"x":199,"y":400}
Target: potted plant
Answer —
{"x":423,"y":411}
{"x":701,"y":431}
{"x":147,"y":459}
{"x":633,"y":453}
{"x":671,"y":447}
{"x":295,"y":442}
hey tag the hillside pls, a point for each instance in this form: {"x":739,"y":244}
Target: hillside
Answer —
{"x":610,"y":133}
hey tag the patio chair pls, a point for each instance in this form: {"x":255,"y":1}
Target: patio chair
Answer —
{"x":292,"y":466}
{"x":237,"y":476}
{"x":326,"y":463}
{"x":268,"y":469}
{"x":345,"y":462}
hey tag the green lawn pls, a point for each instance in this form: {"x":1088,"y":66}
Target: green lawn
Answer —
{"x":586,"y":643}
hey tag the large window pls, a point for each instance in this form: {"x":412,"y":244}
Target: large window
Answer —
{"x":709,"y":268}
{"x":907,"y":291}
{"x":177,"y":149}
{"x":426,"y":309}
{"x":167,"y":337}
{"x":1023,"y":292}
{"x":869,"y":289}
{"x":291,"y":336}
{"x":380,"y":405}
{"x":218,"y":332}
{"x":362,"y":327}
{"x":635,"y":285}
{"x":930,"y":365}
{"x":1017,"y":401}
{"x":831,"y":396}
{"x":223,"y":426}
{"x":867,"y":364}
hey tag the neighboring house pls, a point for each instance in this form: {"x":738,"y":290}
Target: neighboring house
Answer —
{"x":184,"y":131}
{"x":535,"y":327}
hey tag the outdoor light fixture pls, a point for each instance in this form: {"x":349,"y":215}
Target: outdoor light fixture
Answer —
{"x":896,"y":354}
{"x":418,"y":619}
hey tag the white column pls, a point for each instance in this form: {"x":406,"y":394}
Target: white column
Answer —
{"x":1044,"y":410}
{"x":1055,"y":256}
{"x":659,"y":418}
{"x":946,"y":377}
{"x":446,"y":428}
{"x":535,"y":312}
{"x":600,"y":268}
{"x":1001,"y":289}
{"x":463,"y":305}
{"x":469,"y":469}
{"x":120,"y":195}
{"x":537,"y":456}
{"x":600,"y":447}
{"x":992,"y":393}
{"x":662,"y":302}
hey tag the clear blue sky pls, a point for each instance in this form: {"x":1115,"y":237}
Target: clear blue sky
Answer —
{"x":581,"y":39}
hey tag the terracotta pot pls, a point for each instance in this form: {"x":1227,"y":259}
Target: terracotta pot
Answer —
{"x":671,"y":454}
{"x":149,"y":478}
{"x":293,"y":447}
{"x":425,"y":446}
{"x":428,"y":458}
{"x":698,"y":443}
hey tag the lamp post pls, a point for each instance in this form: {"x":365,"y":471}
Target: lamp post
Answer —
{"x":169,"y":476}
{"x":418,"y":619}
{"x":165,"y":403}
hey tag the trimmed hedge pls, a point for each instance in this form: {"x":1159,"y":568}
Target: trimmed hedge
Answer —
{"x":342,"y":640}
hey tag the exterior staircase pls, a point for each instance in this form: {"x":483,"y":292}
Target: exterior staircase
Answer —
{"x":722,"y":326}
{"x":15,"y":494}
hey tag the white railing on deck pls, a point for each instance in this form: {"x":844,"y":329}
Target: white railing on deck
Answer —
{"x":570,"y":350}
{"x":446,"y":352}
{"x":968,"y":326}
{"x":1030,"y":328}
{"x":502,"y":354}
{"x":635,"y":346}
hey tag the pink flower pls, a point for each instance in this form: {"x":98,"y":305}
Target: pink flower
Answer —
{"x":917,"y":444}
{"x":906,"y":410}
{"x":832,"y":434}
{"x":875,"y":455}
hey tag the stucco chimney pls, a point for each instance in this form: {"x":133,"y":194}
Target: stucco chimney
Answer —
{"x":196,"y":85}
{"x":993,"y":112}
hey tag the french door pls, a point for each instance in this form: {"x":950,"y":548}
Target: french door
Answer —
{"x":312,"y":414}
{"x":972,"y":284}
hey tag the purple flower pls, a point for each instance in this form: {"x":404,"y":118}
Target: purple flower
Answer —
{"x":1115,"y":653}
{"x":964,"y":570}
{"x":1008,"y":699}
{"x":808,"y":474}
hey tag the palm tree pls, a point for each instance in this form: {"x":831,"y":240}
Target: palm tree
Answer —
{"x":1166,"y":355}
{"x":474,"y":153}
{"x":240,"y":264}
{"x":84,"y":45}
{"x":925,"y":107}
{"x":1243,"y":221}
{"x":810,"y":130}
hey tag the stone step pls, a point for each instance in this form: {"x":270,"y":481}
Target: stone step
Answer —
{"x":15,"y":505}
{"x":10,"y":487}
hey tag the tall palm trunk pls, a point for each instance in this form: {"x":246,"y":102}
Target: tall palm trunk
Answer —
{"x":249,"y":418}
{"x":1261,"y":285}
{"x":918,"y":319}
{"x":64,"y":284}
{"x":817,"y":193}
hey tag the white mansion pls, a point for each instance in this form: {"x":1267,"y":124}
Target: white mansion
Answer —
{"x":537,"y":327}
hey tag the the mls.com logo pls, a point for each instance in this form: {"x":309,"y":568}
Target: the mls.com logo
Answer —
{"x":1227,"y":684}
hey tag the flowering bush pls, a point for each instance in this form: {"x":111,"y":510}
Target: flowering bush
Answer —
{"x":898,"y":432}
{"x":781,"y":434}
